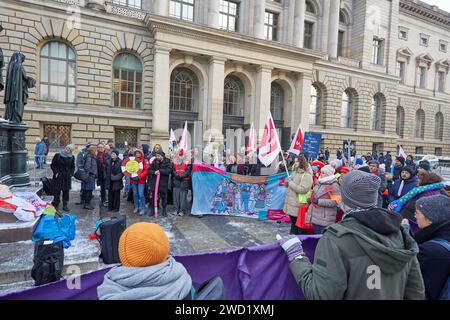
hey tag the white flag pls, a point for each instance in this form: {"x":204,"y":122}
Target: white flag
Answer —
{"x":251,"y":145}
{"x":270,"y":144}
{"x":183,"y":142}
{"x":401,"y":152}
{"x":172,"y":141}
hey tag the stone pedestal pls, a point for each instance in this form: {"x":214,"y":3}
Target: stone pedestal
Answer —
{"x":13,"y":155}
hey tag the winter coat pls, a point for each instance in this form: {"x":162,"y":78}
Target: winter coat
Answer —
{"x":433,"y":258}
{"x":80,"y":159}
{"x":90,"y":165}
{"x":165,"y":168}
{"x":408,"y":186}
{"x":63,"y":169}
{"x":112,"y":172}
{"x":142,"y":177}
{"x":165,"y":281}
{"x":301,"y":183}
{"x":39,"y":150}
{"x":324,"y":213}
{"x":409,"y":208}
{"x":367,"y":256}
{"x":397,"y":171}
{"x":101,"y":168}
{"x":178,"y":180}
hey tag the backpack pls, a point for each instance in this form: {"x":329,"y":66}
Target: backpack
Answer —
{"x":445,"y":293}
{"x":47,"y":185}
{"x":48,"y":262}
{"x":109,"y":232}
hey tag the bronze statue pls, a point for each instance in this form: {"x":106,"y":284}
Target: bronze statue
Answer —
{"x":16,"y":88}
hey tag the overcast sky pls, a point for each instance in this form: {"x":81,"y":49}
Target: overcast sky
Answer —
{"x":443,"y":4}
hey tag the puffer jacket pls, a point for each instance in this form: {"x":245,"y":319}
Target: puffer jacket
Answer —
{"x":324,"y":214}
{"x":301,"y":183}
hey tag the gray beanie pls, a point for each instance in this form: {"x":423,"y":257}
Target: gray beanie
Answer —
{"x":359,"y":189}
{"x":435,"y":208}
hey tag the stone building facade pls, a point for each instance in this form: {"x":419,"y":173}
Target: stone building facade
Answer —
{"x":373,"y":71}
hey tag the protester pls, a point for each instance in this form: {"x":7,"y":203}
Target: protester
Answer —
{"x":424,"y":166}
{"x":367,"y":240}
{"x":146,"y":151}
{"x":127,"y":153}
{"x":298,"y":187}
{"x":324,"y":200}
{"x":374,"y":167}
{"x":113,"y":180}
{"x":327,"y":154}
{"x":110,"y":143}
{"x":79,"y":161}
{"x":406,"y":183}
{"x":410,"y":163}
{"x":103,"y":160}
{"x":138,"y":184}
{"x":398,"y":166}
{"x":90,"y":166}
{"x":181,"y":175}
{"x":388,"y":161}
{"x":63,"y":167}
{"x":47,"y":148}
{"x":234,"y":167}
{"x":39,"y":153}
{"x":159,"y":167}
{"x":433,"y":217}
{"x":147,"y":272}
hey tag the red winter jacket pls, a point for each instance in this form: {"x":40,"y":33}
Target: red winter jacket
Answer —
{"x":143,"y":175}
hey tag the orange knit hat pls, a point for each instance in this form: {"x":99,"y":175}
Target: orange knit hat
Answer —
{"x":143,"y":244}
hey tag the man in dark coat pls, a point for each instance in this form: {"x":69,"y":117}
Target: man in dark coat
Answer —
{"x":103,"y":160}
{"x":406,"y":183}
{"x":160,"y":166}
{"x":112,"y":173}
{"x":181,"y":176}
{"x":388,"y":161}
{"x":90,"y":166}
{"x":16,"y":89}
{"x":398,"y":166}
{"x":63,"y":167}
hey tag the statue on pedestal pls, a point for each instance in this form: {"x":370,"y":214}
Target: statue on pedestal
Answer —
{"x":16,"y":88}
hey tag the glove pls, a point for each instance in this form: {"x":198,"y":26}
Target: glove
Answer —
{"x":315,"y":200}
{"x":292,"y":245}
{"x":286,"y":183}
{"x":405,"y":225}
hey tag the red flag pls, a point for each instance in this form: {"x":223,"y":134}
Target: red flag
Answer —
{"x":270,"y":144}
{"x":297,"y":142}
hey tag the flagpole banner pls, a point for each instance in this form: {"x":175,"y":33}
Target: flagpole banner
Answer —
{"x":311,"y":144}
{"x":218,"y":192}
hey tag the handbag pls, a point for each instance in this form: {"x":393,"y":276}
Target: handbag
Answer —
{"x":81,"y":175}
{"x":301,"y":218}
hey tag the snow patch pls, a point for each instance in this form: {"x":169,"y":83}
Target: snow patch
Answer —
{"x":237,"y":224}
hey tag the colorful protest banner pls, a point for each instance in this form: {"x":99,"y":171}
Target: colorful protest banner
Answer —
{"x":220,"y":193}
{"x":311,"y":144}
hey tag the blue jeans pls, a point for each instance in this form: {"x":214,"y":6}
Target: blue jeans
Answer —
{"x":138,"y":196}
{"x":39,"y":162}
{"x":127,"y":184}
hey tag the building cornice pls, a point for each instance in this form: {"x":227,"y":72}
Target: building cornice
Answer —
{"x":426,"y":12}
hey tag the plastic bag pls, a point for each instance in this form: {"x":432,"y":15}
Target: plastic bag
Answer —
{"x":21,"y":208}
{"x":56,"y":228}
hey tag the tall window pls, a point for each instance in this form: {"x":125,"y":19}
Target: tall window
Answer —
{"x":347,"y":110}
{"x":441,"y":81}
{"x":315,"y":108}
{"x":375,"y":112}
{"x":420,"y":124}
{"x":129,"y":3}
{"x":310,"y":7}
{"x":58,"y":72}
{"x":233,"y":97}
{"x":341,"y":43}
{"x":377,"y":46}
{"x":422,"y":76}
{"x":400,"y":123}
{"x":277,"y":102}
{"x":59,"y":135}
{"x":228,"y":15}
{"x":308,"y":35}
{"x":439,"y":126}
{"x":183,"y":90}
{"x":124,"y":137}
{"x":271,"y":26}
{"x":401,"y":69}
{"x":182,"y":9}
{"x":127,"y":89}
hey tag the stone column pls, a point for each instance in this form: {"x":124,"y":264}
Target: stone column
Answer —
{"x":263,"y":94}
{"x":161,"y":7}
{"x":302,"y":101}
{"x":333,"y":28}
{"x":213,"y":13}
{"x":216,"y":78}
{"x":161,"y":89}
{"x":299,"y":23}
{"x":260,"y":10}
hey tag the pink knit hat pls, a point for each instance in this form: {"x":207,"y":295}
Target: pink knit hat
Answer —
{"x":327,"y":171}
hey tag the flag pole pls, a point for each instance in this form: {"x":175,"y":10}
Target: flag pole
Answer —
{"x":284,"y":163}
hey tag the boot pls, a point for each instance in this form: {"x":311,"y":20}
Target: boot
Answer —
{"x":56,"y":205}
{"x":88,"y":206}
{"x":65,"y":207}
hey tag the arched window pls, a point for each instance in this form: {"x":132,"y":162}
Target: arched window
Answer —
{"x":183,"y":90}
{"x":127,"y":90}
{"x":342,"y":17}
{"x":310,"y":7}
{"x":315,"y":109}
{"x":400,"y":121}
{"x":57,"y":72}
{"x":375,"y":112}
{"x":277,"y":102}
{"x":347,"y":109}
{"x":439,"y":126}
{"x":420,"y":124}
{"x":233,"y":97}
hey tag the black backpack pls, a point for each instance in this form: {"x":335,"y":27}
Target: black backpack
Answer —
{"x":110,"y":231}
{"x":47,"y":185}
{"x":48,"y":262}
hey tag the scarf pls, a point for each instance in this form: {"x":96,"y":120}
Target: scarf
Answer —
{"x":63,"y":154}
{"x":327,"y":179}
{"x":166,"y":281}
{"x":101,"y":158}
{"x":397,"y":205}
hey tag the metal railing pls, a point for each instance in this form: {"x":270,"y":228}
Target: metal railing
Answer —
{"x":38,"y":167}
